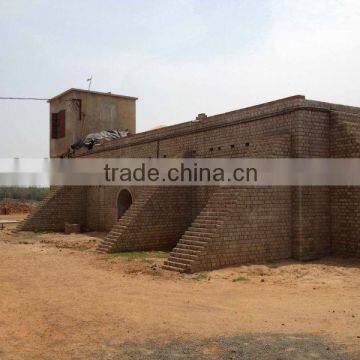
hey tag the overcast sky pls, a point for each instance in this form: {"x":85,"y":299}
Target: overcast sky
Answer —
{"x":179,"y":57}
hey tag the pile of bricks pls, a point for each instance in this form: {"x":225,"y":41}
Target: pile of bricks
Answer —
{"x":10,"y":206}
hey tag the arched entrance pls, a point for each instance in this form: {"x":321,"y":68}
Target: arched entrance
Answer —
{"x":123,"y":202}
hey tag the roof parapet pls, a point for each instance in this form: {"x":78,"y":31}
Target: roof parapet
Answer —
{"x":91,"y":92}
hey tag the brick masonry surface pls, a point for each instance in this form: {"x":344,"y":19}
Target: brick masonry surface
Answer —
{"x":211,"y":227}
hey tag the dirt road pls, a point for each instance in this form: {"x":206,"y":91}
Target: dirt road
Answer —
{"x":59,"y":300}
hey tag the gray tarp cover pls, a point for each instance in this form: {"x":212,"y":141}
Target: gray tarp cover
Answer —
{"x":97,"y":138}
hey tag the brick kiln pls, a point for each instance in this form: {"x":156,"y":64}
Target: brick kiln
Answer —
{"x":211,"y":227}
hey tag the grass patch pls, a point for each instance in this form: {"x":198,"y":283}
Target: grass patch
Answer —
{"x":83,"y":249}
{"x":31,"y":234}
{"x":240,"y":278}
{"x":138,"y":255}
{"x":131,"y":255}
{"x":158,"y":254}
{"x":201,"y":276}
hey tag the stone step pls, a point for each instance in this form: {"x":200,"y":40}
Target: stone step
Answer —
{"x":109,"y":241}
{"x":204,"y":236}
{"x":179,"y":260}
{"x":119,"y":228}
{"x":201,"y":229}
{"x":115,"y":231}
{"x":173,"y":268}
{"x":175,"y":254}
{"x":190,"y":247}
{"x":202,"y":225}
{"x":123,"y":223}
{"x":176,"y":264}
{"x":200,"y":234}
{"x":103,"y":249}
{"x":207,"y":219}
{"x":204,"y":222}
{"x":192,"y":241}
{"x":107,"y":244}
{"x":112,"y":236}
{"x":186,"y":251}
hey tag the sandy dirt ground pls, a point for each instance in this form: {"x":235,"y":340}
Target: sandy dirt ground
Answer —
{"x":59,"y":299}
{"x":12,"y":217}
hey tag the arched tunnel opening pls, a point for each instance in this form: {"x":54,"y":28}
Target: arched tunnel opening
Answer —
{"x":124,"y":201}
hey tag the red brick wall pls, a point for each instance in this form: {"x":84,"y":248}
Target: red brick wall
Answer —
{"x":257,"y":228}
{"x":311,"y":204}
{"x":161,"y":221}
{"x":65,"y":204}
{"x":345,"y":200}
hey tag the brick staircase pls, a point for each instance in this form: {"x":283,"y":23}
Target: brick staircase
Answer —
{"x":109,"y":244}
{"x":193,"y":244}
{"x":42,"y":203}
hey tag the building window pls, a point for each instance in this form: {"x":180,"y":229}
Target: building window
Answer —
{"x":58,"y":125}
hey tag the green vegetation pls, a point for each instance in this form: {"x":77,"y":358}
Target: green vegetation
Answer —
{"x":23,"y":193}
{"x":240,"y":278}
{"x":201,"y":276}
{"x":141,"y":255}
{"x":158,"y":254}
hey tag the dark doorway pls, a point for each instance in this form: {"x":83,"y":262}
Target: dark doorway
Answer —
{"x":123,"y":202}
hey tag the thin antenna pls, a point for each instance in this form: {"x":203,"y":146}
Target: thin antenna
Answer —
{"x":89,"y":80}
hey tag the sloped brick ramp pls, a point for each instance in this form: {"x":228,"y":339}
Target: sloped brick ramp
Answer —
{"x":156,"y":219}
{"x":192,"y":246}
{"x":63,"y":204}
{"x":26,"y":223}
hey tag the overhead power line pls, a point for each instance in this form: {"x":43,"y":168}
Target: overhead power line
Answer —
{"x":22,"y":98}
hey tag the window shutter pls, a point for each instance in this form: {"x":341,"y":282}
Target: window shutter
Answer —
{"x":54,"y":126}
{"x":61,"y":124}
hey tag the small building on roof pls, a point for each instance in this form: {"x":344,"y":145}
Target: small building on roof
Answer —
{"x":76,"y":113}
